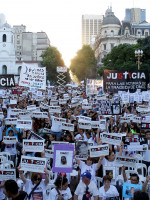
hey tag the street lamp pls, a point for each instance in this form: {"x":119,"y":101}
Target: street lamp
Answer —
{"x":138,"y":54}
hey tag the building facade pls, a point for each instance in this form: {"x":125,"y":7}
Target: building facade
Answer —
{"x":90,"y":27}
{"x":135,"y":15}
{"x":113,"y":33}
{"x":18,"y":46}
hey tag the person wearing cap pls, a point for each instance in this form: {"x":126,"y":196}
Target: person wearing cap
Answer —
{"x":86,"y":189}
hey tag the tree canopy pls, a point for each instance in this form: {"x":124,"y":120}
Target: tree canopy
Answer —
{"x":83,"y":65}
{"x":122,"y":57}
{"x":51,"y":59}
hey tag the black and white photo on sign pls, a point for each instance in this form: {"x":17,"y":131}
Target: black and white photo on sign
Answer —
{"x":33,"y":164}
{"x":99,"y":150}
{"x":81,"y":148}
{"x":33,"y":145}
{"x":110,"y":171}
{"x":116,"y":109}
{"x":63,"y":159}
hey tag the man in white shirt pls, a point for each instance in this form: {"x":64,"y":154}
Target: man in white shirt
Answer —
{"x":86,"y":189}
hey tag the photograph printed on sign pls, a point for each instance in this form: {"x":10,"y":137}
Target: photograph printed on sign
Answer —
{"x":110,"y":171}
{"x":81,"y":148}
{"x":63,"y":159}
{"x":116,"y":109}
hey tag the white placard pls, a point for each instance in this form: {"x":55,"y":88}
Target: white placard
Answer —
{"x":40,"y":114}
{"x":62,"y":101}
{"x":1,"y":115}
{"x":24,"y":124}
{"x":32,"y":76}
{"x":10,"y":140}
{"x":55,"y":109}
{"x":84,"y":118}
{"x":67,"y":126}
{"x":84,"y":125}
{"x":10,"y":121}
{"x":61,"y":69}
{"x":95,"y":124}
{"x":31,"y":107}
{"x":111,"y":138}
{"x":33,"y":145}
{"x":13,"y":101}
{"x":54,"y":102}
{"x":59,"y":121}
{"x":33,"y":164}
{"x":49,"y":153}
{"x":125,"y":161}
{"x":124,"y":119}
{"x":100,"y":150}
{"x":7,"y":174}
{"x":86,"y":106}
{"x":25,"y":115}
{"x":102,"y":124}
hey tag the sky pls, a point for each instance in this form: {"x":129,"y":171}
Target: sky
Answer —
{"x":61,"y":19}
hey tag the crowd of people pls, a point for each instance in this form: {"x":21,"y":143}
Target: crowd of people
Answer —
{"x":97,"y":178}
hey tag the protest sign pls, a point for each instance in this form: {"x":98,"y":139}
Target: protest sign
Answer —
{"x":84,"y":125}
{"x":10,"y":121}
{"x":13,"y":101}
{"x":59,"y":121}
{"x":7,"y":174}
{"x":63,"y":158}
{"x":33,"y":145}
{"x":86,"y":106}
{"x":115,"y":81}
{"x":125,"y":161}
{"x":116,"y":109}
{"x":105,"y":107}
{"x":100,"y":150}
{"x":67,"y":126}
{"x":95,"y":124}
{"x":92,"y":86}
{"x":81,"y":150}
{"x":49,"y":153}
{"x":24,"y":124}
{"x":40,"y":114}
{"x":55,"y":109}
{"x":34,"y":136}
{"x":1,"y":115}
{"x":62,"y":101}
{"x":110,"y":171}
{"x":31,"y":76}
{"x":111,"y":138}
{"x":33,"y":164}
{"x":84,"y":118}
{"x":54,"y":102}
{"x":102,"y":124}
{"x":7,"y":81}
{"x":129,"y":189}
{"x":25,"y":115}
{"x":10,"y":139}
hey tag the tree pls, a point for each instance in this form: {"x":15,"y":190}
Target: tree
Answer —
{"x":83,"y":65}
{"x":122,"y":57}
{"x":51,"y":59}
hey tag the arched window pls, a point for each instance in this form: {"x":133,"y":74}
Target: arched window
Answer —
{"x":19,"y":70}
{"x":4,"y":69}
{"x":4,"y":37}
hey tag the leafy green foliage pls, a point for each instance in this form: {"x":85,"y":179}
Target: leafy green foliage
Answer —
{"x":83,"y":65}
{"x":51,"y":59}
{"x":122,"y":57}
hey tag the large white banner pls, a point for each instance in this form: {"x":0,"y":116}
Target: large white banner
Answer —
{"x":33,"y":145}
{"x":31,"y":76}
{"x":33,"y":164}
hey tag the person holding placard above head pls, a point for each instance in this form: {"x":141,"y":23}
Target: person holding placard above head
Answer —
{"x":62,"y":191}
{"x":108,"y":190}
{"x":89,"y":166}
{"x":55,"y":128}
{"x":36,"y":187}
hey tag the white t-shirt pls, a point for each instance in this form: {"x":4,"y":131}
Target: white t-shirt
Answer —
{"x":39,"y":193}
{"x":80,"y":137}
{"x":66,"y":194}
{"x":10,"y":148}
{"x":107,"y":163}
{"x":86,"y":168}
{"x":81,"y":189}
{"x":112,"y":192}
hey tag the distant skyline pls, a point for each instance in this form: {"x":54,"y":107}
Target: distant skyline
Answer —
{"x":61,"y":19}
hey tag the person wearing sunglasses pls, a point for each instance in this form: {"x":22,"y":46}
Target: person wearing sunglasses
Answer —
{"x":36,"y":187}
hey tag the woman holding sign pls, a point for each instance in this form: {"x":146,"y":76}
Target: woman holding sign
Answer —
{"x":62,"y":191}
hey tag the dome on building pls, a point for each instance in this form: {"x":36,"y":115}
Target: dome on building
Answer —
{"x":110,"y":18}
{"x":6,"y":25}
